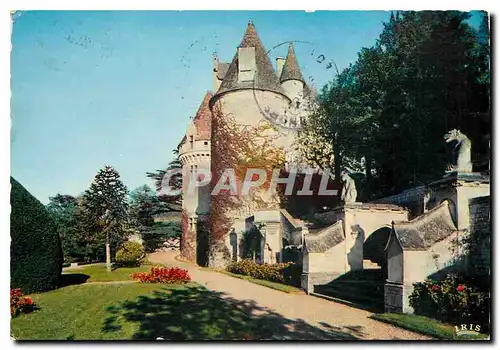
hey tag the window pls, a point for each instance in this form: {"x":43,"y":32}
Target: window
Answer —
{"x":191,"y":140}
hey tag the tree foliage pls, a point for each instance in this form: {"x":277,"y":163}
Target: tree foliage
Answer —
{"x":65,"y":212}
{"x":387,"y":113}
{"x":105,"y":203}
{"x":169,"y":203}
{"x":144,"y":207}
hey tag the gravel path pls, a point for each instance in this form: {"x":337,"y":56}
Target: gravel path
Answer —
{"x":295,"y":316}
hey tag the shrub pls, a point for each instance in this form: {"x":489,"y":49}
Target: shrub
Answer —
{"x":170,"y":275}
{"x":450,"y":300}
{"x":287,"y":273}
{"x":130,"y":254}
{"x":20,"y":304}
{"x":35,"y":250}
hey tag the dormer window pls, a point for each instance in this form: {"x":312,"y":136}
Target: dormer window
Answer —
{"x":246,"y":63}
{"x":191,"y":141}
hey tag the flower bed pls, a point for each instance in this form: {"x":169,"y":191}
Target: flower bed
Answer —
{"x":451,"y":300}
{"x":170,"y":275}
{"x":287,"y":273}
{"x":20,"y":304}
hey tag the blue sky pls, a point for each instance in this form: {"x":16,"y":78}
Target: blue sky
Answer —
{"x":92,"y":88}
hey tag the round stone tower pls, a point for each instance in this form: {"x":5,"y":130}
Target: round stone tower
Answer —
{"x":194,"y":156}
{"x":250,"y":90}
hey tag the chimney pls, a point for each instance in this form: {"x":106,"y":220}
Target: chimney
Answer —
{"x":280,"y":62}
{"x":246,"y":63}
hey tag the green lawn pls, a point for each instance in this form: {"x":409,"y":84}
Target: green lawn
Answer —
{"x":135,"y":311}
{"x":424,"y":325}
{"x":99,"y":273}
{"x":274,"y":285}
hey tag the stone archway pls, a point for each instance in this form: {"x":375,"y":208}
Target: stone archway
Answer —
{"x":375,"y":249}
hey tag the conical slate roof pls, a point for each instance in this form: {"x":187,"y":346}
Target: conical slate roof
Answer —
{"x":265,"y":77}
{"x":291,"y":69}
{"x":203,"y":119}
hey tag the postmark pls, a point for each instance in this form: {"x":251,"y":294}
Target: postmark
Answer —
{"x":303,"y":102}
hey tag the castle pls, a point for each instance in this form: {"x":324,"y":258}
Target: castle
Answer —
{"x":391,"y":247}
{"x":252,"y":91}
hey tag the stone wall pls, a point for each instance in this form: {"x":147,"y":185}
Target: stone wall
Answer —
{"x":479,"y":259}
{"x":309,"y":280}
{"x":479,"y":211}
{"x":411,"y":198}
{"x":465,"y":192}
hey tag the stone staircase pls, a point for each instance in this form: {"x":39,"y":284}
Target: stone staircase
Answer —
{"x":364,"y":289}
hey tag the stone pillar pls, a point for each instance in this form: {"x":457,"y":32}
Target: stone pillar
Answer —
{"x":396,"y":297}
{"x":273,"y":244}
{"x":459,"y":188}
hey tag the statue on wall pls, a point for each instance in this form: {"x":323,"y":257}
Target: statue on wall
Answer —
{"x":462,"y":149}
{"x":349,"y":192}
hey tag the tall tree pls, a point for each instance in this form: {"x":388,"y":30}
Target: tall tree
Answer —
{"x":144,"y":207}
{"x":171,"y":203}
{"x":64,"y":210}
{"x":427,"y":73}
{"x":106,"y":201}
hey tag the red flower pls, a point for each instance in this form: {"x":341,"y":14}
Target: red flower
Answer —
{"x":19,"y":304}
{"x":163,"y":275}
{"x":435,"y":288}
{"x":16,"y":292}
{"x":460,"y":288}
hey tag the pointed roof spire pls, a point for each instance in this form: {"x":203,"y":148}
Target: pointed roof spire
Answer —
{"x":291,"y":69}
{"x":203,"y":119}
{"x":265,"y":76}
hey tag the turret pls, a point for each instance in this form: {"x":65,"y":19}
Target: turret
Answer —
{"x":194,"y":155}
{"x":291,"y":77}
{"x":219,"y":70}
{"x":250,"y":85}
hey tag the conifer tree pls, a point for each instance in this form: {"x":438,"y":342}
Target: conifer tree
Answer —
{"x":106,"y":202}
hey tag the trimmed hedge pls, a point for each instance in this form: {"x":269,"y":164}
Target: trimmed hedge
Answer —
{"x":36,"y":256}
{"x":286,"y":273}
{"x":130,"y":254}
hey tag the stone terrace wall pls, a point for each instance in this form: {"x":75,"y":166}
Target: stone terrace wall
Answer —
{"x":479,"y":260}
{"x":411,"y":198}
{"x":479,"y":210}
